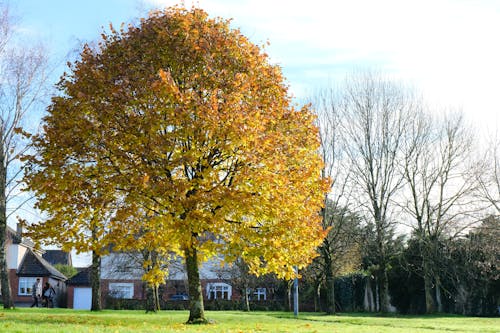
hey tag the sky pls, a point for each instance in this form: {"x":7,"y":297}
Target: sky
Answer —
{"x":447,"y":49}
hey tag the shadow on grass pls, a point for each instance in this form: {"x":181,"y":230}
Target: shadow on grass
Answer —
{"x":371,"y":319}
{"x":307,"y":315}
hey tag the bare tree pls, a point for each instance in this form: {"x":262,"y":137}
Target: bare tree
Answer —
{"x":440,"y":183}
{"x":22,"y":77}
{"x":339,"y":251}
{"x":488,"y":176}
{"x":375,"y":113}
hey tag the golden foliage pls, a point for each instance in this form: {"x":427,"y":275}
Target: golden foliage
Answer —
{"x":179,"y":134}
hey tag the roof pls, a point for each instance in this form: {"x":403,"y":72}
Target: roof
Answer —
{"x":55,"y":257}
{"x":80,"y":279}
{"x":17,"y":238}
{"x":34,"y":265}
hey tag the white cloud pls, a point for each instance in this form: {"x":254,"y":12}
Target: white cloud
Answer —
{"x":448,"y":48}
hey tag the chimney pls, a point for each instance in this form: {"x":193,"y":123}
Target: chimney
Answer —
{"x":19,"y":231}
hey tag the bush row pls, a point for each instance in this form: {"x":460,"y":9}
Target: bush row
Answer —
{"x":133,"y":304}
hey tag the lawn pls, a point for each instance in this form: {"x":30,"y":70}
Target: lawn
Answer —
{"x":67,"y":321}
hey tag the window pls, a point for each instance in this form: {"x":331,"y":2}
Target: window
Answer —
{"x":260,"y":294}
{"x":219,"y":291}
{"x":25,"y":285}
{"x":121,"y":290}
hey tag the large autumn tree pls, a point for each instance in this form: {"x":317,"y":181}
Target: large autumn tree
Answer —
{"x":184,"y":120}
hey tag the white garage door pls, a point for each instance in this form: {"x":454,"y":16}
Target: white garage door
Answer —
{"x":82,"y":299}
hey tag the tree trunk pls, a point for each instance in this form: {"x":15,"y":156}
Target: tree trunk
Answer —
{"x":196,"y":309}
{"x":4,"y":273}
{"x":157,"y":298}
{"x":317,"y":298}
{"x":439,"y":301}
{"x":369,"y":299}
{"x":383,"y":280}
{"x":4,"y":270}
{"x":247,"y":302}
{"x":152,"y":298}
{"x":148,"y":291}
{"x":430,"y":306}
{"x":330,"y":292}
{"x":384,"y":291}
{"x":289,"y":294}
{"x":95,"y":282}
{"x":152,"y":290}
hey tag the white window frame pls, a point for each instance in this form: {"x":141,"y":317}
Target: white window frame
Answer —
{"x":260,"y":292}
{"x":25,"y":284}
{"x":225,"y":290}
{"x":121,"y":290}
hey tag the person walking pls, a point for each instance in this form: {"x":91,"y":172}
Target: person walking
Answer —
{"x":36,"y":292}
{"x":48,"y":295}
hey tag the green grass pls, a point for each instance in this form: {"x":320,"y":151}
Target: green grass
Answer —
{"x":68,"y":321}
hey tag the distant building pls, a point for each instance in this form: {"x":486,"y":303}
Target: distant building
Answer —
{"x":26,"y":264}
{"x":121,"y":277}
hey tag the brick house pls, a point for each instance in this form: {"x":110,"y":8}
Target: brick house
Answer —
{"x":121,"y":277}
{"x":26,"y":264}
{"x":79,"y":291}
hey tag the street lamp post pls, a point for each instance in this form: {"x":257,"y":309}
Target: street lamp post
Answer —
{"x":296,"y":294}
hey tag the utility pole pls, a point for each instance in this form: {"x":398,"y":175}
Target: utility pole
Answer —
{"x":296,"y":294}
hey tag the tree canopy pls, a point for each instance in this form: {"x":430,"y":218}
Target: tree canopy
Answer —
{"x":179,"y":132}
